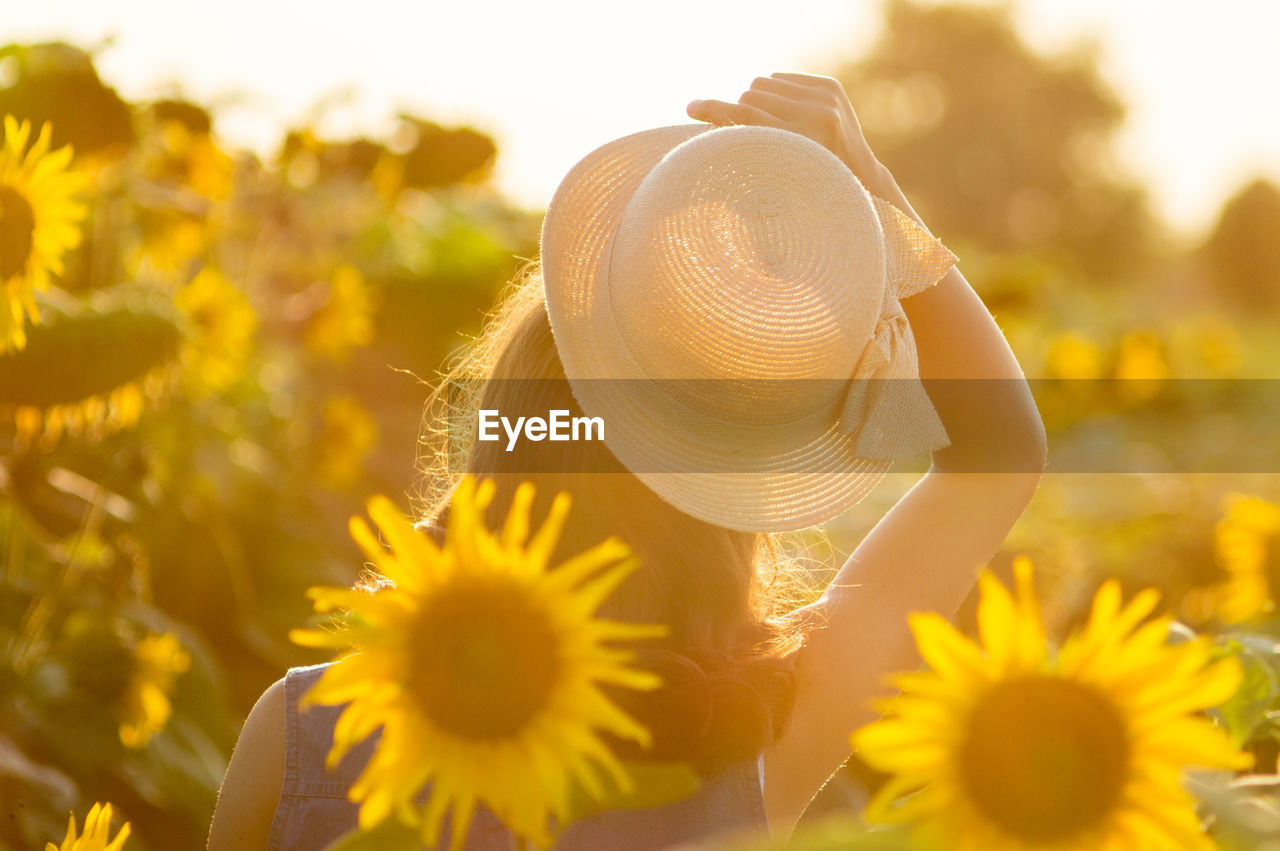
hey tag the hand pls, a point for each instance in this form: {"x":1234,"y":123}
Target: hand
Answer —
{"x":808,"y":104}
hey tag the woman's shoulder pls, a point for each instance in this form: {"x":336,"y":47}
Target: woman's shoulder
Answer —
{"x":262,"y":738}
{"x":251,"y":788}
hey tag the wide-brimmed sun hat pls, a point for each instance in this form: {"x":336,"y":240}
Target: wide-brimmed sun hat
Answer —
{"x":727,"y":300}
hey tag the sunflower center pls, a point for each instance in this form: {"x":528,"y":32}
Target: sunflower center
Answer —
{"x":17,"y":232}
{"x":484,"y":659}
{"x":1044,"y":758}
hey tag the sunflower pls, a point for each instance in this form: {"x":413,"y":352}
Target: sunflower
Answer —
{"x":93,"y":417}
{"x":483,"y":666}
{"x":1141,"y":368}
{"x":1219,"y":347}
{"x":193,"y":158}
{"x":345,"y":321}
{"x":144,"y":706}
{"x":1074,"y":356}
{"x":1007,"y":746}
{"x":221,"y":323}
{"x":1247,"y":543}
{"x":97,"y":827}
{"x":347,"y":434}
{"x":38,"y":223}
{"x":167,"y":243}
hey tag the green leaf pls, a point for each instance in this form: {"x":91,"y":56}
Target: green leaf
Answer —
{"x":71,"y":356}
{"x":836,"y":833}
{"x":656,"y":783}
{"x":1263,"y":645}
{"x":389,"y":835}
{"x":1247,"y":709}
{"x":48,"y":781}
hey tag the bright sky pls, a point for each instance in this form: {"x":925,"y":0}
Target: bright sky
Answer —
{"x":551,"y":79}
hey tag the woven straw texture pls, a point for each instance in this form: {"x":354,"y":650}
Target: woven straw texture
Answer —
{"x":733,"y":264}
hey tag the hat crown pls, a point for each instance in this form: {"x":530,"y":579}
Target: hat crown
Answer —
{"x":748,"y":253}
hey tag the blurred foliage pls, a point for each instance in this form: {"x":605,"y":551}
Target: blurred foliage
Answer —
{"x":226,"y":370}
{"x":58,"y":83}
{"x":1243,"y":250}
{"x":996,"y":144}
{"x":223,"y":373}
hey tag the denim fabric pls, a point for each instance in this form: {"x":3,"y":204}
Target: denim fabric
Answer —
{"x":314,"y":810}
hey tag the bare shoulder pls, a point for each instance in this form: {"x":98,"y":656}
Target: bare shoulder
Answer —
{"x":251,"y":786}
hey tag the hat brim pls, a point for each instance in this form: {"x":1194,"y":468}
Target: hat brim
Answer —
{"x":814,"y":479}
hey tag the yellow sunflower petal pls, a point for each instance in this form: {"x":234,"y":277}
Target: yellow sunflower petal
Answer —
{"x":409,"y":545}
{"x":1192,"y":741}
{"x":515,"y":531}
{"x":570,"y":573}
{"x":545,"y":539}
{"x":946,"y":650}
{"x":881,"y":807}
{"x":997,"y":619}
{"x":390,"y":566}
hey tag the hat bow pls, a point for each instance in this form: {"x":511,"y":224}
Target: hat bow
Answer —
{"x":886,"y":410}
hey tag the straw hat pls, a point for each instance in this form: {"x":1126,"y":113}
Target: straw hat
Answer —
{"x":727,"y":301}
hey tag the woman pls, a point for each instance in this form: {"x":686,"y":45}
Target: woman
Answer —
{"x":645,"y":250}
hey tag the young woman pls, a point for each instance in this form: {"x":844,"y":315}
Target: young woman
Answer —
{"x":667,"y":255}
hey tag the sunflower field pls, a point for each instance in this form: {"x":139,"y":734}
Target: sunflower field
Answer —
{"x":210,"y":360}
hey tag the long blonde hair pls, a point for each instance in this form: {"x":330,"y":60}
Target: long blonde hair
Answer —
{"x":723,"y":594}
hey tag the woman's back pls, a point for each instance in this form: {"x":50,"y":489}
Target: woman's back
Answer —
{"x":314,"y":810}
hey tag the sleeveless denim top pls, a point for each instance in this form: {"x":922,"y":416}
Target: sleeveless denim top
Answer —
{"x":314,"y":810}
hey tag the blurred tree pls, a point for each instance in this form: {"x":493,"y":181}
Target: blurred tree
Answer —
{"x":56,"y":82}
{"x":997,"y":144}
{"x":433,"y":157}
{"x":442,"y":156}
{"x":190,"y":115}
{"x":1243,"y":250}
{"x":327,"y":159}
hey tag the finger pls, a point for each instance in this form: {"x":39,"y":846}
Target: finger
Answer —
{"x":777,"y":105}
{"x":795,"y":91}
{"x":817,"y":81}
{"x":721,"y":113}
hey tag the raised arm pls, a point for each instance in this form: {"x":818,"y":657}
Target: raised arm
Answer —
{"x":925,"y":554}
